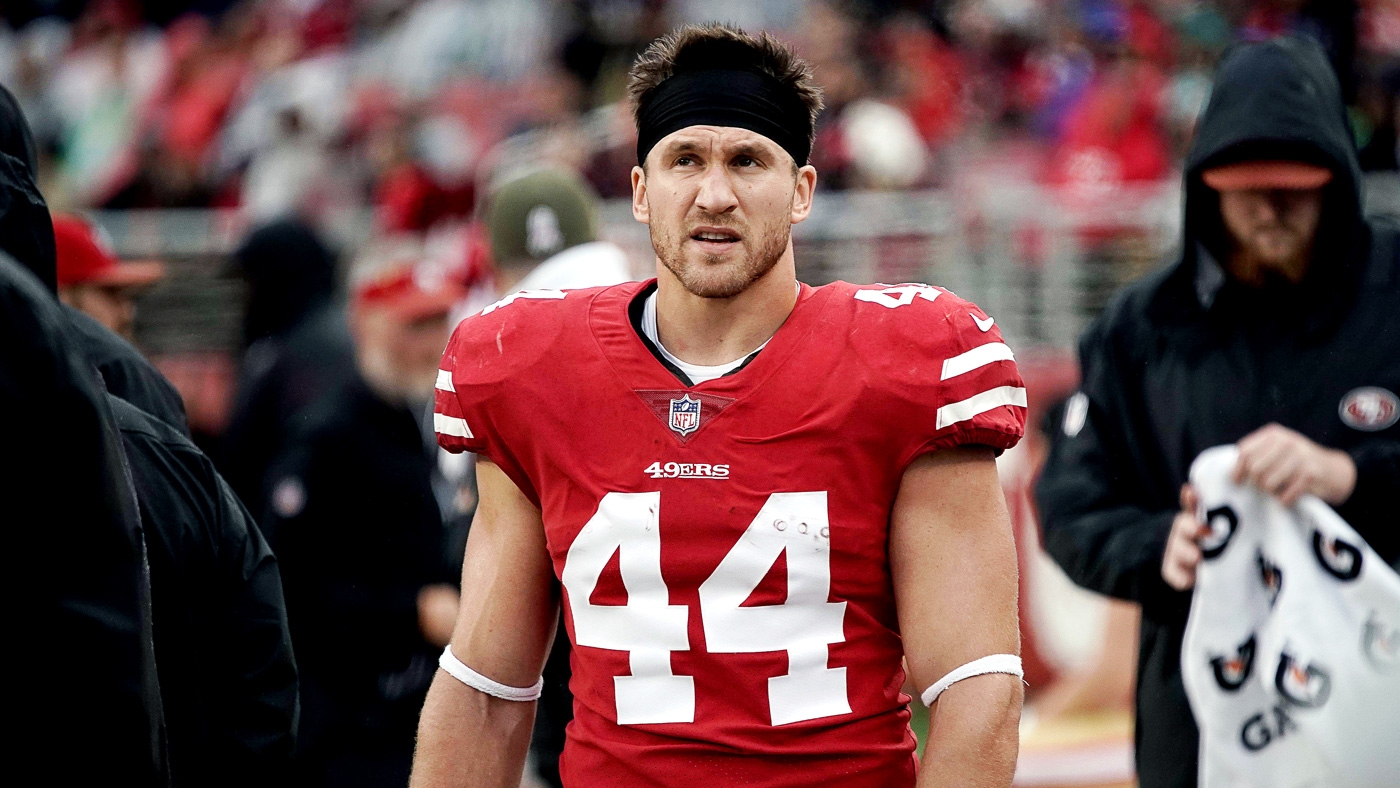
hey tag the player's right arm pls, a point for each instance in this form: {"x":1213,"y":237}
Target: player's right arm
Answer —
{"x":510,"y":604}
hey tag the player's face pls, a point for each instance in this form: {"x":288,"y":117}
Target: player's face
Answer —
{"x":1273,"y":231}
{"x":720,"y":202}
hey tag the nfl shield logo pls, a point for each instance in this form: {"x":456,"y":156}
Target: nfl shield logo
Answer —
{"x":685,"y":415}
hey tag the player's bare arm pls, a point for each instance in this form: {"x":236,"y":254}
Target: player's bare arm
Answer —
{"x":510,"y":603}
{"x":953,"y":561}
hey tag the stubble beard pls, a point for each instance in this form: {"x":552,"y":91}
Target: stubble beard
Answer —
{"x":1281,"y":263}
{"x":713,"y":276}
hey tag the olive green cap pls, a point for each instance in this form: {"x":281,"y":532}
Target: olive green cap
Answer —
{"x":536,"y":216}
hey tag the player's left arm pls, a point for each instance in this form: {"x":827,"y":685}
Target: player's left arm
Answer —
{"x":953,"y":561}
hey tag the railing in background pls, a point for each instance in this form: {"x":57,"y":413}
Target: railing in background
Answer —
{"x":1043,"y":263}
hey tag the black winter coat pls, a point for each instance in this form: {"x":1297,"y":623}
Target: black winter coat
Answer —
{"x":1185,"y":359}
{"x":126,"y":372}
{"x":83,"y":691}
{"x":224,"y":653}
{"x":358,"y":534}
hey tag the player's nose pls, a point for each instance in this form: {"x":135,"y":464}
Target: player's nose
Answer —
{"x":716,"y":193}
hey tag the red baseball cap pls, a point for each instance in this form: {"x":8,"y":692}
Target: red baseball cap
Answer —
{"x":84,"y":258}
{"x":412,"y":291}
{"x":1266,"y":175}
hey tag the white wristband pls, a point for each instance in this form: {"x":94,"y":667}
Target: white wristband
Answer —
{"x":459,"y":671}
{"x":996,"y":663}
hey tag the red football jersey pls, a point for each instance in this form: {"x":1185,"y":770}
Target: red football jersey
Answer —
{"x":723,"y":547}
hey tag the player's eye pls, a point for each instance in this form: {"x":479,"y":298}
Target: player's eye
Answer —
{"x":685,"y":161}
{"x":745,"y":161}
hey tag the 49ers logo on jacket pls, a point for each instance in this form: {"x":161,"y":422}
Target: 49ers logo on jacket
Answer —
{"x":1232,"y":672}
{"x":1369,"y":409}
{"x":1305,"y":685}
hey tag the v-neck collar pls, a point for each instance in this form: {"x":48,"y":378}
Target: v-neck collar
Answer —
{"x":636,"y":313}
{"x":640,"y":368}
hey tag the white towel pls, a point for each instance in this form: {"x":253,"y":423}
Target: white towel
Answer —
{"x":1291,"y":658}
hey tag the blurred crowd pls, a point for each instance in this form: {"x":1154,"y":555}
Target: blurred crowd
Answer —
{"x":412,"y":106}
{"x":481,"y":134}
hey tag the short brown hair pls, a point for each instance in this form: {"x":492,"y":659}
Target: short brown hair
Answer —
{"x":717,"y":45}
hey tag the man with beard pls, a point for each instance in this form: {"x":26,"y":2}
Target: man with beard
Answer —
{"x":753,"y":498}
{"x":359,"y":536}
{"x":1275,"y":330}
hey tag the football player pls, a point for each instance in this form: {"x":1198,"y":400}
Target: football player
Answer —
{"x":751,"y":497}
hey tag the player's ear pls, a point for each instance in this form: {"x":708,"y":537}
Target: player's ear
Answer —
{"x":803,"y":192}
{"x":640,"y":210}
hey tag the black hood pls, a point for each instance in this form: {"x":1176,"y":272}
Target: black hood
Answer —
{"x":290,"y":273}
{"x":15,"y":137}
{"x":1277,"y":99}
{"x":26,"y":231}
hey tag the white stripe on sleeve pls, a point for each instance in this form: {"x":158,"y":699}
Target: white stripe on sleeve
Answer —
{"x":444,"y":381}
{"x":980,"y":403}
{"x":449,"y":425}
{"x":980,"y":356}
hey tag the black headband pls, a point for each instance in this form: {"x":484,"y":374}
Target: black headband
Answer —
{"x":726,"y":97}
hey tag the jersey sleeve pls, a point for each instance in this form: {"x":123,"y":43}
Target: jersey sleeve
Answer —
{"x":948,"y":377}
{"x":491,"y":369}
{"x":980,"y":397}
{"x":454,"y":431}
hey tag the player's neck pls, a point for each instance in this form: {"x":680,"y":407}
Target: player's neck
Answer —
{"x":713,"y":331}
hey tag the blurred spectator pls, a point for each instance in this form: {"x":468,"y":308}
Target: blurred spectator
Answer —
{"x":26,"y":232}
{"x":1331,"y":23}
{"x":296,"y":348}
{"x":262,"y":103}
{"x":883,"y":147}
{"x":293,"y":173}
{"x":544,"y":235}
{"x":1113,"y":133}
{"x":93,"y":281}
{"x":1279,"y":275}
{"x":1202,"y":35}
{"x":358,"y":533}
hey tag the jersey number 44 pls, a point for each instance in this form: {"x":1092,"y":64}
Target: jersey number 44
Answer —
{"x":649,"y":628}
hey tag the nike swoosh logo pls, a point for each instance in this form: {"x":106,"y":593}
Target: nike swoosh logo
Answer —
{"x":985,"y":325}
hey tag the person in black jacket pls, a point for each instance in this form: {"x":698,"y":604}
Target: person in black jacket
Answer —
{"x":297,"y":349}
{"x":25,"y":226}
{"x":84,"y":690}
{"x":26,"y":234}
{"x":359,"y":534}
{"x":1274,"y":330}
{"x":219,"y":645}
{"x":224,"y":653}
